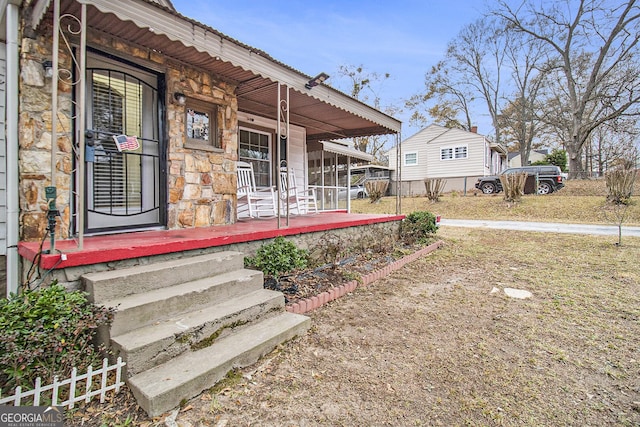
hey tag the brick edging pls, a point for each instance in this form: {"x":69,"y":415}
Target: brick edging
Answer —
{"x":308,"y":304}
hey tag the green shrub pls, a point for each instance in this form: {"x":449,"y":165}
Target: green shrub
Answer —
{"x":277,"y":257}
{"x":418,"y":227}
{"x":47,"y":332}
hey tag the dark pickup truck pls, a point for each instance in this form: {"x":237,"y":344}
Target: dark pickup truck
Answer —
{"x":549,"y":180}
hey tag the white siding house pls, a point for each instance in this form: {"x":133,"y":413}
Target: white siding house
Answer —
{"x":456,"y":155}
{"x":535,"y":156}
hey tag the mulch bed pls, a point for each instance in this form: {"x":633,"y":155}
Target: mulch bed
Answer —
{"x":313,"y":281}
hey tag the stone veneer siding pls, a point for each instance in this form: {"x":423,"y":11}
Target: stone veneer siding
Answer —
{"x":201,"y":184}
{"x":350,"y":237}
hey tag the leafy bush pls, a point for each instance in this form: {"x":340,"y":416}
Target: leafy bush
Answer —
{"x":277,"y":257}
{"x":418,"y":227}
{"x":47,"y":332}
{"x":559,"y":158}
{"x":556,"y":157}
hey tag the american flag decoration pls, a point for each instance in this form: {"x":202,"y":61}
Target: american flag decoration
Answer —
{"x":126,"y":143}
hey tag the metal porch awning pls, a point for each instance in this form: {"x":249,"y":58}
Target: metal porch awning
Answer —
{"x":324,"y":112}
{"x":332,"y":147}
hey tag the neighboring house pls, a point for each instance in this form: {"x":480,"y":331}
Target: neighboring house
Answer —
{"x":535,"y":156}
{"x":188,"y":101}
{"x":456,"y":155}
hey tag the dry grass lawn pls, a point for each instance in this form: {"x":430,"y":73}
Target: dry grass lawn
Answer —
{"x":432,"y":345}
{"x":579,"y":202}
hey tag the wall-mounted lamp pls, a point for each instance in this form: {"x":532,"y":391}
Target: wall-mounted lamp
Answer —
{"x":47,"y":66}
{"x":180,"y":98}
{"x":320,"y":78}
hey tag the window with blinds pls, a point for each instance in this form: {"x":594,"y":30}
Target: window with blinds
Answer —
{"x":116,"y":109}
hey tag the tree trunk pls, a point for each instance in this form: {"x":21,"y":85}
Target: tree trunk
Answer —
{"x":575,"y":161}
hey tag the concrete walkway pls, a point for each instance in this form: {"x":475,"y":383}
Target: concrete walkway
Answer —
{"x":548,"y":227}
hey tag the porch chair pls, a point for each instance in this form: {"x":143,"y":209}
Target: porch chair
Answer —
{"x":301,"y":201}
{"x":253,"y":202}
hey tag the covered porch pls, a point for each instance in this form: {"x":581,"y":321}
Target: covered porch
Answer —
{"x":184,"y":104}
{"x":68,"y":262}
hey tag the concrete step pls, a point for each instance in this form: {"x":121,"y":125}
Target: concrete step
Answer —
{"x":114,"y":284}
{"x":139,"y":310}
{"x":160,"y":389}
{"x":155,"y":344}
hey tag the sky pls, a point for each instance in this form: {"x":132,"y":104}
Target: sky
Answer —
{"x":404,"y":38}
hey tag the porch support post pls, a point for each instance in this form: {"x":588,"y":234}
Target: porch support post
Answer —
{"x":322,"y":178}
{"x":76,"y":199}
{"x":82,"y":93}
{"x":399,"y":174}
{"x":283,"y":135}
{"x":348,"y":183}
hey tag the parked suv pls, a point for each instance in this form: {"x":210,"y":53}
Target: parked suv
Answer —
{"x":549,"y":180}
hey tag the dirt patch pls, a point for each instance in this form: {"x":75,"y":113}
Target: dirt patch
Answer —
{"x":431,"y":345}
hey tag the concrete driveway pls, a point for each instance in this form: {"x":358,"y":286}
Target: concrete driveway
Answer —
{"x":548,"y":227}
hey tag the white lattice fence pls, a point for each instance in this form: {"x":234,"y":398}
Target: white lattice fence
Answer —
{"x":78,"y":388}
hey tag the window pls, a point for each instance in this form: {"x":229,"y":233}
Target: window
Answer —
{"x":201,"y":126}
{"x":461,"y":152}
{"x":450,"y":153}
{"x":410,"y":159}
{"x":255,"y":147}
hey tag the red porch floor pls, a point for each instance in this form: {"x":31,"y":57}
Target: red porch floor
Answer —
{"x":116,"y":247}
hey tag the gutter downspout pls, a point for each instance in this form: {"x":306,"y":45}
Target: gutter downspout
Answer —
{"x":13,"y":205}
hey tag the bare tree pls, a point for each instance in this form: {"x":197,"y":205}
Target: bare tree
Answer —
{"x":478,"y":53}
{"x":471,"y":71}
{"x":452,"y":97}
{"x":613,"y":145}
{"x":518,"y":119}
{"x":365,"y":87}
{"x":571,"y":29}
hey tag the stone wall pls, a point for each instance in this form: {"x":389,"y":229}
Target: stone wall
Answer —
{"x":35,"y":126}
{"x":351,"y":237}
{"x":201,"y":184}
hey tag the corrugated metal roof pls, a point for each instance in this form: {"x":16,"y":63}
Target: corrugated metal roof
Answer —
{"x":165,"y":3}
{"x":326,"y":113}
